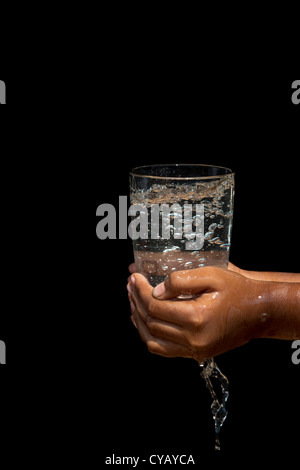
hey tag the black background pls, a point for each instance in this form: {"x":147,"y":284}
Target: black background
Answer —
{"x":154,"y":405}
{"x":148,"y":102}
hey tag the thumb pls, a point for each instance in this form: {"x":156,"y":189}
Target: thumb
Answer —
{"x":189,"y":282}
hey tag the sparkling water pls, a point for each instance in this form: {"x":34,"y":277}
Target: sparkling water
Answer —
{"x":158,"y":257}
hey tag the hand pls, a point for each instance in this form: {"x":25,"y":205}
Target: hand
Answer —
{"x":226,"y":311}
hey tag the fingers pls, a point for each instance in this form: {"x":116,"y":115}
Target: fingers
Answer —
{"x":234,"y":268}
{"x":138,"y":287}
{"x":161,"y":324}
{"x":162,"y":330}
{"x":132,"y":268}
{"x":160,"y":346}
{"x":141,"y":304}
{"x":176,"y":312}
{"x":189,"y":282}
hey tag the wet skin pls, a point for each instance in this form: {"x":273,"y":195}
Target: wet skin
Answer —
{"x":228,"y":308}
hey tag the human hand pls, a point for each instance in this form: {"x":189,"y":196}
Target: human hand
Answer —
{"x":226,"y":311}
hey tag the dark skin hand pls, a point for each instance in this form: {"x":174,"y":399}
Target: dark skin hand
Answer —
{"x":228,"y":309}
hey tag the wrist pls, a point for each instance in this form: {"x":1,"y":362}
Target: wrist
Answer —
{"x":283,"y":310}
{"x":275,"y":310}
{"x":259,"y":311}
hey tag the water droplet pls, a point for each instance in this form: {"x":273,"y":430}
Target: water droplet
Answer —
{"x":173,"y":248}
{"x":208,"y":235}
{"x":214,"y":240}
{"x":264,"y":317}
{"x":189,"y":236}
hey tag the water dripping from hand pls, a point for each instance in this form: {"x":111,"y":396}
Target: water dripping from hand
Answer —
{"x":211,"y":370}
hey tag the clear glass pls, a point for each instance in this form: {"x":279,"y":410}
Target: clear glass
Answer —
{"x":188,"y":211}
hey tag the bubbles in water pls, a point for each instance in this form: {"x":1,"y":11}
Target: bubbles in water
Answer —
{"x":189,"y":236}
{"x":215,"y":240}
{"x":172,"y":248}
{"x":208,"y":235}
{"x":156,"y":258}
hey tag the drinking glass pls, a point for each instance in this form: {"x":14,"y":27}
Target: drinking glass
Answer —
{"x":183,"y":221}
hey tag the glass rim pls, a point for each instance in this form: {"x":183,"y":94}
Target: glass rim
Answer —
{"x":229,"y":172}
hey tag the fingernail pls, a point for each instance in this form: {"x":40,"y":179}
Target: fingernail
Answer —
{"x":132,"y":305}
{"x":159,"y":290}
{"x":133,"y":320}
{"x":132,"y":279}
{"x":129,"y":288}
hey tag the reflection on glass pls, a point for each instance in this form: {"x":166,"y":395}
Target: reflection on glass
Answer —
{"x":185,"y":220}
